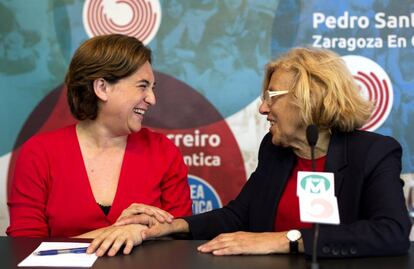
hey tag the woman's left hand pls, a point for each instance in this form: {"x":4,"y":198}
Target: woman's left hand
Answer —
{"x":152,"y":211}
{"x":246,"y":243}
{"x":114,"y":237}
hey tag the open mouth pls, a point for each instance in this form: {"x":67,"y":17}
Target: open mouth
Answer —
{"x":139,"y":111}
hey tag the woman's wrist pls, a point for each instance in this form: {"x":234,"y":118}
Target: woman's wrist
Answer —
{"x":180,"y":226}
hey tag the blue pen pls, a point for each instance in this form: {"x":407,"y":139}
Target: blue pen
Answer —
{"x":60,"y":251}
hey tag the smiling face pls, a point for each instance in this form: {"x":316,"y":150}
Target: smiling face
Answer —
{"x":286,"y":125}
{"x":125,"y":102}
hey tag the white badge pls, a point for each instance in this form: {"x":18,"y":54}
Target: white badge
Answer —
{"x":317,"y":201}
{"x":319,"y":209}
{"x":319,"y":183}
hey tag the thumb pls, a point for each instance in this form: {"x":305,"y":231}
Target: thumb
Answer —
{"x":144,"y":234}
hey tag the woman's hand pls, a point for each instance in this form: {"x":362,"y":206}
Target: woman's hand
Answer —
{"x":113,"y":238}
{"x":155,"y":228}
{"x":158,"y":229}
{"x":152,"y":211}
{"x":246,"y":243}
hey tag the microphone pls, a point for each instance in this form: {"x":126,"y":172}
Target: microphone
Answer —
{"x":312,"y":135}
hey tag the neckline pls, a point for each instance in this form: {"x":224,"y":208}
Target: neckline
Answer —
{"x":105,"y":208}
{"x":86,"y":177}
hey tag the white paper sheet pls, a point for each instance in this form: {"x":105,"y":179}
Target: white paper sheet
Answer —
{"x":60,"y":260}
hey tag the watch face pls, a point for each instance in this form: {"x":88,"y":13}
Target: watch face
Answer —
{"x":294,"y":235}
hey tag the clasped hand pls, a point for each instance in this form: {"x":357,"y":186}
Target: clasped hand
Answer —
{"x":140,"y":222}
{"x":112,"y":238}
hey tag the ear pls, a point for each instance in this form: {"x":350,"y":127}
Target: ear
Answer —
{"x":100,"y":87}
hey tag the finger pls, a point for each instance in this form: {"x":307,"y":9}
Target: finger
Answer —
{"x":160,"y":211}
{"x":129,"y":212}
{"x":136,"y":219}
{"x":97,"y":242}
{"x":123,"y":214}
{"x":164,"y":214}
{"x":160,"y":217}
{"x":220,"y":248}
{"x":160,"y":214}
{"x":129,"y":220}
{"x":128,"y":247}
{"x":133,"y":209}
{"x":130,"y":209}
{"x":143,"y":235}
{"x":216,"y":243}
{"x":211,"y":247}
{"x":94,"y":245}
{"x":108,"y":239}
{"x":116,"y":245}
{"x":145,"y":210}
{"x":207,"y":247}
{"x":105,"y":245}
{"x":226,"y":251}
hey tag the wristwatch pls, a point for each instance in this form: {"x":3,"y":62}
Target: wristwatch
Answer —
{"x":293,"y":236}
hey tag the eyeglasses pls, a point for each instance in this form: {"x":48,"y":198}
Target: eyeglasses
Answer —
{"x":267,"y":95}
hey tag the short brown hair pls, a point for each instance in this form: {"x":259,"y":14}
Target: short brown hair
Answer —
{"x":111,"y":57}
{"x":324,"y":89}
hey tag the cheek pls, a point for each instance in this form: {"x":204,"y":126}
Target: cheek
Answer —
{"x":274,"y":112}
{"x":292,"y":121}
{"x":287,"y":120}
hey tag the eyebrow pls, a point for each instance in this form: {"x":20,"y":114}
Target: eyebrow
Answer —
{"x":146,"y":82}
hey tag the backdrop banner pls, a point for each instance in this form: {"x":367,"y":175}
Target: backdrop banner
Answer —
{"x":208,"y":58}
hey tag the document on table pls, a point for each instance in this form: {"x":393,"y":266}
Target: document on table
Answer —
{"x":60,"y":260}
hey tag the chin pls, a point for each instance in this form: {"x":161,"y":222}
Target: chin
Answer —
{"x":135,"y":129}
{"x":275,"y":141}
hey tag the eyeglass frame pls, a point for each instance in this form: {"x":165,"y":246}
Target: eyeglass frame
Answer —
{"x":269,"y":94}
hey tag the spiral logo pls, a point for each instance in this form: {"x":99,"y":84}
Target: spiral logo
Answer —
{"x":138,"y":18}
{"x":375,"y":85}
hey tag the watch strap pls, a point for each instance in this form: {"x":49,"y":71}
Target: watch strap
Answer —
{"x":294,"y":247}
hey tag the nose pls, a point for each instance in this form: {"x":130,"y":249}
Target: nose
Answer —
{"x":150,"y":97}
{"x":264,"y":108}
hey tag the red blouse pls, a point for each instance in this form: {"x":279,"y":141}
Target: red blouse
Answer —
{"x":287,"y":214}
{"x":51,"y":194}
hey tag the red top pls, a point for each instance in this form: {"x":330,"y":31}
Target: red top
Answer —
{"x":51,"y":194}
{"x":287,"y":216}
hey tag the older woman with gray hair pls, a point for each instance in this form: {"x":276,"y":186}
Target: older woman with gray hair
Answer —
{"x":308,"y":86}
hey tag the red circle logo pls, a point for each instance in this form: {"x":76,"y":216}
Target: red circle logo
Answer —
{"x":138,"y":18}
{"x":374,"y":85}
